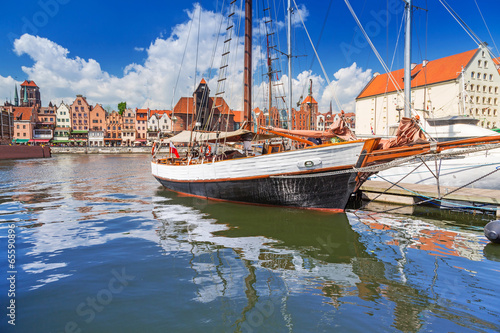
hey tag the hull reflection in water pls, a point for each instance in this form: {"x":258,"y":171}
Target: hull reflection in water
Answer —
{"x":332,"y":268}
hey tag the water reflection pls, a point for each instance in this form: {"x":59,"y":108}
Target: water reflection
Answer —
{"x":334,"y":257}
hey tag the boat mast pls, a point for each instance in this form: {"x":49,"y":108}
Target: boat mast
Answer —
{"x":289,"y":41}
{"x":247,"y":73}
{"x":407,"y":79}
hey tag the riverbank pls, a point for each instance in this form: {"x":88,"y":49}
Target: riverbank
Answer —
{"x":101,"y":150}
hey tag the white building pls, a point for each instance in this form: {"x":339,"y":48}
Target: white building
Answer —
{"x":63,"y":124}
{"x":96,"y":138}
{"x":462,"y":84}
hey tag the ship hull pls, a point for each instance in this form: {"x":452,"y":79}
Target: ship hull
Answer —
{"x":318,"y":178}
{"x":323,"y":191}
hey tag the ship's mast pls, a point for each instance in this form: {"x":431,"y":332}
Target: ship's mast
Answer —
{"x":407,"y":76}
{"x":289,"y":41}
{"x":247,"y":74}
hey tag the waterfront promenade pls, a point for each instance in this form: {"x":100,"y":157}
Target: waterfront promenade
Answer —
{"x":101,"y":150}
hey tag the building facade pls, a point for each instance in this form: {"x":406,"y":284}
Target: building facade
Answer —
{"x":465,"y":84}
{"x":30,"y":94}
{"x":113,"y":134}
{"x":128,"y":130}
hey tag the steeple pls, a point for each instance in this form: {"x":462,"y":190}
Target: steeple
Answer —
{"x":16,"y":97}
{"x":25,"y":98}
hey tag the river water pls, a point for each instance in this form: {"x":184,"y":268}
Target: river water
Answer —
{"x":101,"y":247}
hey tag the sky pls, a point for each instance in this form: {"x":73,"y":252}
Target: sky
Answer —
{"x":150,"y":53}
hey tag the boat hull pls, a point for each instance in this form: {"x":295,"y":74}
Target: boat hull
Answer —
{"x":319,"y":178}
{"x":455,"y":171}
{"x":322,"y":191}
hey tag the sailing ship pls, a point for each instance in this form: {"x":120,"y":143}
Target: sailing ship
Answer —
{"x":315,"y":175}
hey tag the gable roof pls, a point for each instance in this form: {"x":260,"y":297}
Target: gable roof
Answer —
{"x":29,"y":83}
{"x":22,"y":113}
{"x":439,"y":70}
{"x":309,"y":99}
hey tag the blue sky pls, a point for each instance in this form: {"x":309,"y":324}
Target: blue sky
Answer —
{"x":112,"y":51}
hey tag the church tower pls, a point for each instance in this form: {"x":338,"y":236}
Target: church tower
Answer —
{"x":201,"y":102}
{"x":16,"y":97}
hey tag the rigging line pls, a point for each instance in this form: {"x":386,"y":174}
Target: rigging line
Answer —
{"x":393,"y":80}
{"x":317,"y":56}
{"x":464,"y":26}
{"x":182,"y":62}
{"x":322,"y":30}
{"x":487,"y":28}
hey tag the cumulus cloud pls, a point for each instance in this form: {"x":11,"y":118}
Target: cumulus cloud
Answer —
{"x":346,"y":86}
{"x":171,"y":69}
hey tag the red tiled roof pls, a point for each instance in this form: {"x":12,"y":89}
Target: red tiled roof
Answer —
{"x":238,"y":116}
{"x":160,"y":112}
{"x":22,"y":113}
{"x":439,"y":70}
{"x":309,"y":99}
{"x":29,"y":83}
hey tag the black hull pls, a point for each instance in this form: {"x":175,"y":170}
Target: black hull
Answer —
{"x":323,"y":191}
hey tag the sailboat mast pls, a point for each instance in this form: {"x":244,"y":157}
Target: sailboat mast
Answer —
{"x":247,"y":73}
{"x":408,"y":8}
{"x":289,"y":41}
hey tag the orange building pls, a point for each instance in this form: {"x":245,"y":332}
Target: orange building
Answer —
{"x":114,"y":124}
{"x":80,"y":114}
{"x":141,"y":125}
{"x":24,"y":123}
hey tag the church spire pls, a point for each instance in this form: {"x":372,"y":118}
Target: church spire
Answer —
{"x":16,"y":97}
{"x":25,"y":98}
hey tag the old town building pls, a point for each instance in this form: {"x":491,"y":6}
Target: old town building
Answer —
{"x":113,"y":134}
{"x":465,"y":84}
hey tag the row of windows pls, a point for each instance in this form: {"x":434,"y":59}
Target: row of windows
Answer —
{"x":473,"y":75}
{"x":485,"y":100}
{"x":483,"y":112}
{"x":489,"y":89}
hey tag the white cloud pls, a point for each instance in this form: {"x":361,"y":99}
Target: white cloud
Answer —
{"x":346,"y":86}
{"x":151,"y":83}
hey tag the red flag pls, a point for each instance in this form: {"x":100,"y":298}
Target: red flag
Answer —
{"x":173,"y":150}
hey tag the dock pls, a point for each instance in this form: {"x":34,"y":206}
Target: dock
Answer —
{"x":406,"y":194}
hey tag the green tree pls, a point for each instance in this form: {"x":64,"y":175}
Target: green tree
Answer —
{"x":121,"y":107}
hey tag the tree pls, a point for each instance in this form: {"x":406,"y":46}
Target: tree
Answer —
{"x":121,"y":107}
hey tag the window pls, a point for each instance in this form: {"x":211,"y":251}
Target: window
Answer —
{"x":18,"y":126}
{"x":479,"y":63}
{"x":485,"y":76}
{"x":485,"y":64}
{"x":97,"y":114}
{"x":471,"y":87}
{"x":484,"y":88}
{"x":478,"y":75}
{"x":24,"y":126}
{"x":473,"y":75}
{"x":24,"y":134}
{"x":491,"y":77}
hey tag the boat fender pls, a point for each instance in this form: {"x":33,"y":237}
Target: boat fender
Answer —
{"x":492,"y":231}
{"x":153,"y":149}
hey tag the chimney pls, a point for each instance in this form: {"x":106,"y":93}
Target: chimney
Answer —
{"x":376,"y":74}
{"x":413,"y":66}
{"x":424,"y":63}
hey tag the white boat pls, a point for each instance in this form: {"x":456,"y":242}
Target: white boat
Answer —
{"x":474,"y":167}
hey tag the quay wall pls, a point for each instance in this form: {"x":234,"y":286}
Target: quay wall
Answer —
{"x":101,"y":150}
{"x":21,"y":151}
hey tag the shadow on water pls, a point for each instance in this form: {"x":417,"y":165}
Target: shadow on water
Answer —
{"x":325,"y":248}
